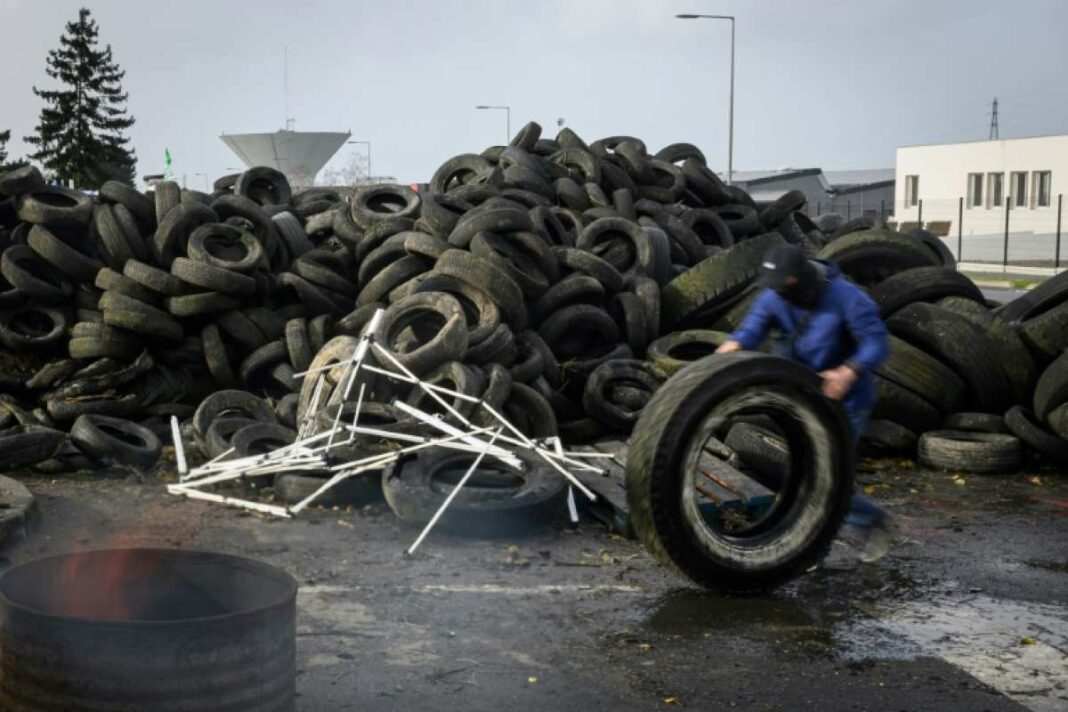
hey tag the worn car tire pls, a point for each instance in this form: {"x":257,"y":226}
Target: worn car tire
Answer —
{"x":121,"y":441}
{"x":714,"y":280}
{"x":959,"y":344}
{"x":960,"y":451}
{"x":1025,"y":425}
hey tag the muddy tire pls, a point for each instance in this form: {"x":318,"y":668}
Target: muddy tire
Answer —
{"x":673,"y":352}
{"x":960,"y":345}
{"x":924,"y":375}
{"x":923,"y":284}
{"x":671,"y":432}
{"x":713,"y":281}
{"x":870,"y":256}
{"x":1022,"y":423}
{"x":1011,"y":351}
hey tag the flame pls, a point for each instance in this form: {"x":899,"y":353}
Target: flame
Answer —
{"x":102,"y":583}
{"x":96,"y":585}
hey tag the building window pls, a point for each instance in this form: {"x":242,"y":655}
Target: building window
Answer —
{"x":994,"y":184}
{"x":975,"y":190}
{"x":1018,"y":188}
{"x":1040,"y":188}
{"x":912,"y":190}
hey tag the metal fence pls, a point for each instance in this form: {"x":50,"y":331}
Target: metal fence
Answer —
{"x":849,"y":208}
{"x":1016,"y":233}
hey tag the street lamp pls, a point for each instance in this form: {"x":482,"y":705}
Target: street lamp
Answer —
{"x":730,"y":120}
{"x":368,"y":144}
{"x":507,"y":120}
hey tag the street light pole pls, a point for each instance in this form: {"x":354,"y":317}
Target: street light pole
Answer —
{"x":730,"y":110}
{"x":370,"y":173}
{"x":507,"y":119}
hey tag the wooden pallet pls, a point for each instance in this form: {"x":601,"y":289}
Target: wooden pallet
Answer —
{"x":720,"y":486}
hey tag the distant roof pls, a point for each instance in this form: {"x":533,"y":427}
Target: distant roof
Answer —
{"x":751,"y":177}
{"x":767,"y":196}
{"x":986,"y":140}
{"x":865,"y":177}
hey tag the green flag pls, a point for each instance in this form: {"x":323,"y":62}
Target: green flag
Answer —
{"x":167,"y":162}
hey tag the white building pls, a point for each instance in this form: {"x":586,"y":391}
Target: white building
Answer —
{"x":986,"y":194}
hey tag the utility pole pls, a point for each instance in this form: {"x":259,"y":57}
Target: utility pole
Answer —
{"x":994,"y":120}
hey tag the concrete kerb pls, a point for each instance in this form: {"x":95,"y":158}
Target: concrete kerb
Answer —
{"x":16,"y":505}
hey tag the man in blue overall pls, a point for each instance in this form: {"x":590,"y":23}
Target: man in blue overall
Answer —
{"x":830,"y":325}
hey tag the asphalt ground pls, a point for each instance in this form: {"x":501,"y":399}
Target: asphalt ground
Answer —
{"x":969,"y":611}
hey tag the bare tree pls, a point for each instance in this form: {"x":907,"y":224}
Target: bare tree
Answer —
{"x":351,"y":173}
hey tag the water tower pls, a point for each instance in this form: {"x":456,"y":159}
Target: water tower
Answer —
{"x":300,"y":155}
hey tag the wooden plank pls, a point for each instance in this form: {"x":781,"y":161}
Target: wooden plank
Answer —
{"x":732,"y":479}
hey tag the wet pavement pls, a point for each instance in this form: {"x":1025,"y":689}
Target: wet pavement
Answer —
{"x":968,"y":612}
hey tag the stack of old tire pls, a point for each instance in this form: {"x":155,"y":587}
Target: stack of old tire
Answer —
{"x":530,"y":275}
{"x":559,"y":282}
{"x":121,"y":310}
{"x":969,"y":386}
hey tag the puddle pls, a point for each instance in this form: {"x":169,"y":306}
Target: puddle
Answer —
{"x":794,"y":627}
{"x":1018,"y":648}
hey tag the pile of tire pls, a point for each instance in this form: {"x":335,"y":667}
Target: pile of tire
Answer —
{"x":970,"y":385}
{"x":539,"y":276}
{"x":558,"y":281}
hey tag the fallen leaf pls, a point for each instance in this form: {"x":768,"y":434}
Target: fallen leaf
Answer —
{"x":1036,"y":480}
{"x":671,"y":701}
{"x":869,"y":489}
{"x":1027,"y":640}
{"x":645,"y":647}
{"x":532,"y":679}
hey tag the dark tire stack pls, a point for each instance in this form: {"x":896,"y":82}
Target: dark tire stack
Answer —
{"x":559,"y":281}
{"x":955,"y":364}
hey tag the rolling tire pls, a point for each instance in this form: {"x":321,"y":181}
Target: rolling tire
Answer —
{"x":799,"y":531}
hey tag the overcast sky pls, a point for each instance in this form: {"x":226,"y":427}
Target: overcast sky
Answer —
{"x":819,"y":83}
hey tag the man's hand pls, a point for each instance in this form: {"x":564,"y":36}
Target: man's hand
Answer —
{"x":729,"y":347}
{"x":838,"y":381}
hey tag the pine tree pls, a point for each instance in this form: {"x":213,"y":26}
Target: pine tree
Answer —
{"x":80,"y":137}
{"x":4,"y":136}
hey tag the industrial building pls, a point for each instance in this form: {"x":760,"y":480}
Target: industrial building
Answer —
{"x":850,"y":193}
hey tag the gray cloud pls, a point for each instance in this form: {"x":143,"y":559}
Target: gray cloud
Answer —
{"x":824,"y":83}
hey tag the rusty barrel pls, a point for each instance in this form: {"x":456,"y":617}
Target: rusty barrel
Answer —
{"x":147,"y":629}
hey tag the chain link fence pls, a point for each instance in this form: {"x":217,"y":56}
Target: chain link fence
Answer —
{"x":1009,"y":233}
